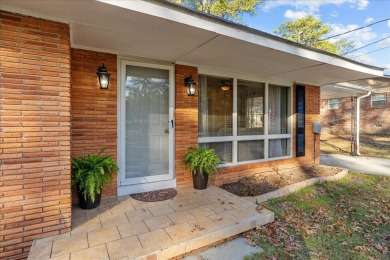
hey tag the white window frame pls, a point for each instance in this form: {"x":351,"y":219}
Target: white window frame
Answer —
{"x":234,"y":139}
{"x":330,"y":104}
{"x":384,"y":99}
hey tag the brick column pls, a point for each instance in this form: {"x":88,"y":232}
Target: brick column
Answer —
{"x":186,"y":117}
{"x":35,"y":196}
{"x":94,"y":110}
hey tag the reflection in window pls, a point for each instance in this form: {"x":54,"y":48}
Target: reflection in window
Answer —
{"x":278,"y":148}
{"x":250,"y":150}
{"x":279,"y":109}
{"x":222,"y":149}
{"x":215,"y":107}
{"x":250,"y":108}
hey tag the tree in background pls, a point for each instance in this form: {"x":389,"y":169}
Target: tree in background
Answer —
{"x":227,"y":9}
{"x":310,"y":31}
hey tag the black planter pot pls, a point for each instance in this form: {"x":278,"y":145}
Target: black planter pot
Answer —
{"x":87,"y":203}
{"x":200,"y":183}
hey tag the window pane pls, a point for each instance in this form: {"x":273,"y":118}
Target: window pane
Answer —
{"x":333,"y":103}
{"x":250,"y":108}
{"x":378,"y":97}
{"x":223,"y":150}
{"x":250,"y":150}
{"x":215,"y":107}
{"x":378,"y":103}
{"x":279,"y":109}
{"x":278,"y":148}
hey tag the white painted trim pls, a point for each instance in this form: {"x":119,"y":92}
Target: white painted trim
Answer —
{"x":143,"y":183}
{"x":235,"y":116}
{"x":266,"y":112}
{"x":132,"y":189}
{"x":118,"y":120}
{"x":254,"y":161}
{"x":291,"y":117}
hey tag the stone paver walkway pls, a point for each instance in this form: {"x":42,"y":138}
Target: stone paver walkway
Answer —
{"x":370,"y":165}
{"x":228,"y":251}
{"x":124,"y":228}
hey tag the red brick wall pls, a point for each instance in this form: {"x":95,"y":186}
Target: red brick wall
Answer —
{"x":186,"y":116}
{"x":94,"y":110}
{"x":373,"y":120}
{"x":34,"y":132}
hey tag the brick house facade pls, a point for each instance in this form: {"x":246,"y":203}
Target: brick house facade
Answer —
{"x":52,"y":110}
{"x":373,"y":119}
{"x":35,"y":141}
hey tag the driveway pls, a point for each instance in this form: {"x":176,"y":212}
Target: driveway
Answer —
{"x":368,"y":165}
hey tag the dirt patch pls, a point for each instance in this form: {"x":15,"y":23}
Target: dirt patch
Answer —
{"x":370,"y":145}
{"x":276,"y":179}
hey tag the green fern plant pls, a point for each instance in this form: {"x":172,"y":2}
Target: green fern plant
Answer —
{"x":91,"y":172}
{"x":201,"y":160}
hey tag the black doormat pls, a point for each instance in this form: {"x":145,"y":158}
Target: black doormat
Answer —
{"x":156,"y":195}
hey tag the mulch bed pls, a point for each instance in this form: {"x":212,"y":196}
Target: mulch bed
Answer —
{"x":266,"y":182}
{"x":156,"y":195}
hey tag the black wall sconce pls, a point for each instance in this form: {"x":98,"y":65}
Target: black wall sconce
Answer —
{"x":190,"y":85}
{"x":103,"y":77}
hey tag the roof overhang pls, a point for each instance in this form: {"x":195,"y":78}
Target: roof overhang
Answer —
{"x":356,"y":88}
{"x":166,"y":32}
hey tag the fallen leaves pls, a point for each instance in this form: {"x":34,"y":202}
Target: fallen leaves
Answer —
{"x":345,"y":218}
{"x":197,"y":228}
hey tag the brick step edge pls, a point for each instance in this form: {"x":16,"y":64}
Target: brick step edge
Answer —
{"x":287,"y":190}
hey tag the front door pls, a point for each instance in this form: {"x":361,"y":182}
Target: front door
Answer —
{"x":146,"y":123}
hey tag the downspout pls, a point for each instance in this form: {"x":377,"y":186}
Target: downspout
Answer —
{"x":358,"y":122}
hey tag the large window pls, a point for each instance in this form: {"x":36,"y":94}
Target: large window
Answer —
{"x":244,"y":121}
{"x":378,"y":100}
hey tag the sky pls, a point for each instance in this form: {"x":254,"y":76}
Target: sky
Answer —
{"x":341,"y":16}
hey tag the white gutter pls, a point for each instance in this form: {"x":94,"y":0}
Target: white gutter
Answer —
{"x":358,"y":122}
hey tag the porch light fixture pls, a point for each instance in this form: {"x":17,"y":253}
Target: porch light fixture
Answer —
{"x":103,"y":77}
{"x":226,"y":85}
{"x":190,"y":85}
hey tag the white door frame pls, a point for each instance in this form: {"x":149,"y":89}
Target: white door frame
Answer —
{"x":147,"y":183}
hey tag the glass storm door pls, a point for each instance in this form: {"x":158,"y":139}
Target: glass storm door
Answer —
{"x":146,"y":123}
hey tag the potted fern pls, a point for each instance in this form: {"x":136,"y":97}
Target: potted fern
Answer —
{"x":89,"y":174}
{"x":202,"y":162}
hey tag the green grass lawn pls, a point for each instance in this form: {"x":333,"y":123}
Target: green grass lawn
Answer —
{"x":346,"y":219}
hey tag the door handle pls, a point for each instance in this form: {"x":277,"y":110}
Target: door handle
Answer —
{"x":172,"y":123}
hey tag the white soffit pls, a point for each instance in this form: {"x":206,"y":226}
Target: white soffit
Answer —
{"x":149,"y":30}
{"x":356,"y":88}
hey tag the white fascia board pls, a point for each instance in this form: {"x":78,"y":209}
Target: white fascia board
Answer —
{"x":180,"y":17}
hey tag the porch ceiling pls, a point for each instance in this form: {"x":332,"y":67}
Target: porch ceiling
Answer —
{"x":160,"y":32}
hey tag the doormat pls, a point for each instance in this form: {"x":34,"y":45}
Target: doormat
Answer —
{"x":156,"y":195}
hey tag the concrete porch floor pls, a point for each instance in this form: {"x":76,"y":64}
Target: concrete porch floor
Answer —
{"x":124,"y":228}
